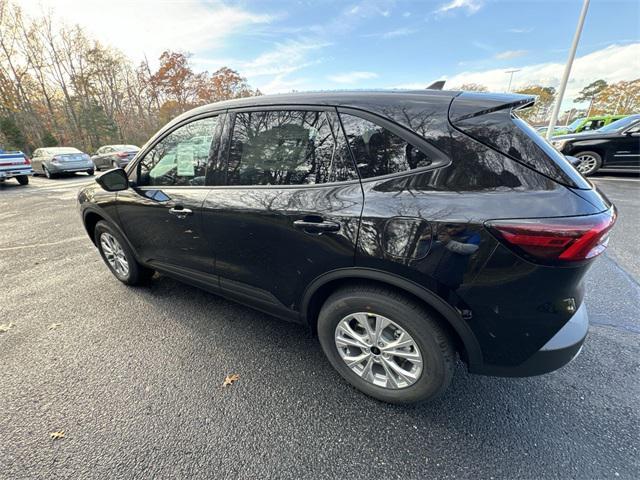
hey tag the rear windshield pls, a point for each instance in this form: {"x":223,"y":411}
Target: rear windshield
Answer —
{"x":126,"y":148}
{"x":496,"y":125}
{"x":62,"y":150}
{"x":619,"y":125}
{"x":575,"y":124}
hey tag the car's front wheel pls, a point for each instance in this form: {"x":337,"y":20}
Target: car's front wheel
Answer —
{"x":118,"y":256}
{"x":90,"y":172}
{"x":386,"y":345}
{"x":589,"y":162}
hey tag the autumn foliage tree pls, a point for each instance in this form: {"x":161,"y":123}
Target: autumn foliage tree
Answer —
{"x":58,"y":86}
{"x":617,"y":98}
{"x":541,"y":109}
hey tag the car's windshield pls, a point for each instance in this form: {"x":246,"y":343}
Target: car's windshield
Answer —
{"x":575,"y":124}
{"x":619,"y":125}
{"x":62,"y":150}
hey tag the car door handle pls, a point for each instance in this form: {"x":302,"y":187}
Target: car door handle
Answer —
{"x":180,"y":212}
{"x":311,"y":226}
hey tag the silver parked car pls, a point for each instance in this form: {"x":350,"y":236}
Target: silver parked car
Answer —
{"x":114,"y":156}
{"x":55,"y":160}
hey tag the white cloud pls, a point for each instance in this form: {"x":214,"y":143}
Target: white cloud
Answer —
{"x":146,"y":27}
{"x":281,"y":84}
{"x":520,"y":30}
{"x":400,"y":32}
{"x":471,"y":6}
{"x":285,"y":58}
{"x":509,"y":54}
{"x":614,"y":63}
{"x":352,"y":77}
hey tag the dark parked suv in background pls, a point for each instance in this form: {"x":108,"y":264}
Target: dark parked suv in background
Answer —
{"x":614,"y":147}
{"x":401,"y":227}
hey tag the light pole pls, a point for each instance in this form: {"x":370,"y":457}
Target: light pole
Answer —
{"x":511,"y":77}
{"x":567,"y":70}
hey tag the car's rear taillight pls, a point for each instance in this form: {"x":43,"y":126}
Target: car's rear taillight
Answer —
{"x":27,"y":161}
{"x":556,"y":240}
{"x":123,"y":154}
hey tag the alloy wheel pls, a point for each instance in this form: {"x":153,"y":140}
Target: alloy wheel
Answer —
{"x":588,"y":163}
{"x":378,"y":350}
{"x":114,"y":254}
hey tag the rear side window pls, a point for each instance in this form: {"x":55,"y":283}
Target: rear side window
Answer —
{"x":180,"y":158}
{"x":288,"y":147}
{"x":377,"y":151}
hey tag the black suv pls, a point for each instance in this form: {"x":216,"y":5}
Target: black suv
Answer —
{"x":401,"y":227}
{"x":614,"y":147}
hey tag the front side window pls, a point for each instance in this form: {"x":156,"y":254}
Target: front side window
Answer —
{"x":288,"y":147}
{"x":180,"y":158}
{"x":378,"y":151}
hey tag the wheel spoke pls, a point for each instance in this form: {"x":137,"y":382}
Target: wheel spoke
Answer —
{"x":413,"y":357}
{"x":380,"y":324}
{"x":363,"y":321}
{"x":352,"y":361}
{"x":404,"y":340}
{"x":402,"y":373}
{"x":391,"y":379}
{"x":346,"y":328}
{"x":343,"y":342}
{"x":367,"y":373}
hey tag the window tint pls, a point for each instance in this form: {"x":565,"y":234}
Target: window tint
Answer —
{"x":180,"y":158}
{"x":378,"y":151}
{"x":289,"y":147}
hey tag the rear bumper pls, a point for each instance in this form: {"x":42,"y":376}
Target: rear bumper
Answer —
{"x":563,"y":347}
{"x":122,"y":163}
{"x":16,"y":172}
{"x":76,"y":167}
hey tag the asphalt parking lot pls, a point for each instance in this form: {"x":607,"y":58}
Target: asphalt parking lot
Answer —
{"x":133,"y":377}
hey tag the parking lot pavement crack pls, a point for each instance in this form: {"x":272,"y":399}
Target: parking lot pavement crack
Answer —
{"x":626,"y":328}
{"x":621,"y":269}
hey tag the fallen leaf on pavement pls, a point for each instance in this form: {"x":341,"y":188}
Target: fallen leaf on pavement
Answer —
{"x":229,"y":379}
{"x":57,"y":435}
{"x":5,"y":327}
{"x":53,"y":326}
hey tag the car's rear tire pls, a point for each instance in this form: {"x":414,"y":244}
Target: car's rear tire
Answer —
{"x":90,"y":172}
{"x":589,"y":163}
{"x":419,"y":368}
{"x":47,"y":173}
{"x":118,"y":256}
{"x":23,"y":179}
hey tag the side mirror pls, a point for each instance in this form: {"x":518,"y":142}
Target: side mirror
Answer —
{"x":114,"y":180}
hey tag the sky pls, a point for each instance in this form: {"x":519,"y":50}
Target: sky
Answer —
{"x":301,"y":45}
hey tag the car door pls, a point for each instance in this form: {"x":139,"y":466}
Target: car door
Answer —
{"x":287,"y":208}
{"x":625,"y":148}
{"x":161,"y":213}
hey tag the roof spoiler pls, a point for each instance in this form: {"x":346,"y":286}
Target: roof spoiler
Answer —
{"x":473,"y":104}
{"x":439,"y":85}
